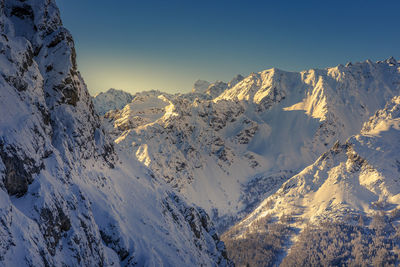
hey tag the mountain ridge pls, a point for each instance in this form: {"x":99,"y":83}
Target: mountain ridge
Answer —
{"x":246,"y":131}
{"x":354,"y":183}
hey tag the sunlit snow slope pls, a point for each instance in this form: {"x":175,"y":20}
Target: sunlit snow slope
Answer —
{"x":227,"y":152}
{"x":358,"y":177}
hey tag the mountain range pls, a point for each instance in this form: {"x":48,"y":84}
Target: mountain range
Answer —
{"x":228,"y":153}
{"x":290,"y":168}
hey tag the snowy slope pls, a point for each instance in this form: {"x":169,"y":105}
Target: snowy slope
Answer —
{"x":111,"y":100}
{"x":256,"y":133}
{"x":66,"y":198}
{"x":357,"y":177}
{"x":342,"y":210}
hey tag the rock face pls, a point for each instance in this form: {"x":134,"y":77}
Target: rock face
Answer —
{"x":66,"y":198}
{"x":45,"y":102}
{"x":253,"y":131}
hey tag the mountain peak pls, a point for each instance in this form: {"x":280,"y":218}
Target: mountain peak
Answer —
{"x":200,"y":86}
{"x":112,"y":99}
{"x":391,"y":61}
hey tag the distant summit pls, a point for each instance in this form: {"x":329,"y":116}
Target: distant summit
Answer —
{"x":200,"y":86}
{"x":111,"y":100}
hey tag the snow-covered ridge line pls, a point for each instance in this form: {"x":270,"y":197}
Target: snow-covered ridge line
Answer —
{"x":261,"y":125}
{"x":353,"y":186}
{"x":351,"y":183}
{"x":112,"y":99}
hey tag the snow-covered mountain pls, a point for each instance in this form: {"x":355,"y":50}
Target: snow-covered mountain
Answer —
{"x":72,"y":196}
{"x":348,"y":178}
{"x":227,"y":153}
{"x":206,"y":90}
{"x":112,"y":99}
{"x":353,"y":182}
{"x":200,"y":86}
{"x":66,"y":197}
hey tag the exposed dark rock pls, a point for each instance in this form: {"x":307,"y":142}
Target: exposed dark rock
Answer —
{"x":23,"y":12}
{"x":53,"y":224}
{"x":113,"y":241}
{"x":19,"y":171}
{"x":58,"y":38}
{"x":17,"y":82}
{"x":356,"y":161}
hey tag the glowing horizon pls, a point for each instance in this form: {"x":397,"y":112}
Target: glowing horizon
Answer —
{"x":135,"y":47}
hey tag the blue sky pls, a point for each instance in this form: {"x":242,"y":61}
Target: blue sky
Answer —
{"x":168,"y":44}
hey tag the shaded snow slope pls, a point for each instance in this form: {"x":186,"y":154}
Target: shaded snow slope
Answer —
{"x":111,"y":100}
{"x":200,"y":86}
{"x":257,"y":131}
{"x":66,"y":198}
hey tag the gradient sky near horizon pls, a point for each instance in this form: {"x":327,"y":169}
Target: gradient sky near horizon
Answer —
{"x":168,"y":44}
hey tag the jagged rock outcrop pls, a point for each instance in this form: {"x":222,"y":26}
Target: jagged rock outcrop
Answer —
{"x":45,"y":101}
{"x":66,"y":198}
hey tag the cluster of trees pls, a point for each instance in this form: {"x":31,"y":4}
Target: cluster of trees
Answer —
{"x":369,"y":242}
{"x":344,"y":244}
{"x":261,"y":244}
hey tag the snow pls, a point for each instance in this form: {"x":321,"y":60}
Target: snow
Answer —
{"x":134,"y":186}
{"x":347,"y":181}
{"x":268,"y":122}
{"x":111,"y":100}
{"x":200,"y":86}
{"x":67,"y":197}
